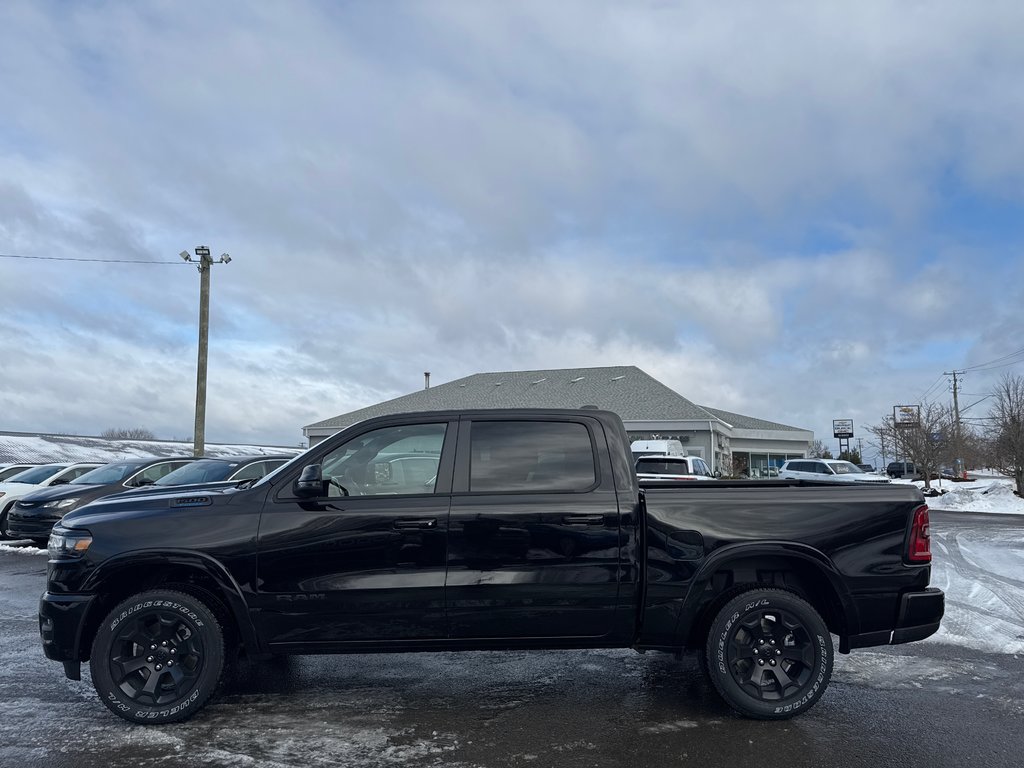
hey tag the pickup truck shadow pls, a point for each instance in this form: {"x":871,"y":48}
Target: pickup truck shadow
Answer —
{"x":480,"y":684}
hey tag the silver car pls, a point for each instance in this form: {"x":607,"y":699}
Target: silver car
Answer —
{"x":828,"y":471}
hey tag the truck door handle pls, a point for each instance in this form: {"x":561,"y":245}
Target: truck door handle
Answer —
{"x":583,"y":519}
{"x":422,"y":522}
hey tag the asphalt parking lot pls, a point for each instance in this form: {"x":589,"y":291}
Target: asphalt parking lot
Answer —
{"x":925,"y":704}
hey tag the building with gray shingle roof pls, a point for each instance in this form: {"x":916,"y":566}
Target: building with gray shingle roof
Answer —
{"x":648,"y":408}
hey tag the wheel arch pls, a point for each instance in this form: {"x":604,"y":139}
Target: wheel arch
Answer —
{"x":194,"y":573}
{"x":800,"y":569}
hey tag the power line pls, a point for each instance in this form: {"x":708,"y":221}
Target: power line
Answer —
{"x":1001,"y":365}
{"x":101,"y":261}
{"x":929,"y":390}
{"x":983,"y":366}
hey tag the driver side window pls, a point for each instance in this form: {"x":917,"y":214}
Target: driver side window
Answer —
{"x":399,"y":460}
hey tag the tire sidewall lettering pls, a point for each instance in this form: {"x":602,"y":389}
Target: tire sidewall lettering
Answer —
{"x":731,"y":689}
{"x":147,"y":714}
{"x":131,"y":611}
{"x":187,"y":696}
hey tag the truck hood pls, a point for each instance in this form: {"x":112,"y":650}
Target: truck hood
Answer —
{"x":131,"y":504}
{"x":66,"y":491}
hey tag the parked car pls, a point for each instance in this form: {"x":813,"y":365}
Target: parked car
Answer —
{"x":34,"y":514}
{"x":902,"y":469}
{"x":9,"y":470}
{"x":672,"y":468}
{"x":41,"y":476}
{"x":533,"y":532}
{"x":827,"y":471}
{"x":221,"y":470}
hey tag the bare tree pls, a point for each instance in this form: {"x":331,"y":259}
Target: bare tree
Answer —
{"x":927,"y":444}
{"x":1007,"y":439}
{"x":817,"y":450}
{"x":127,"y":433}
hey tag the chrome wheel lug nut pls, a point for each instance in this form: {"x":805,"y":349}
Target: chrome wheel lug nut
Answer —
{"x":149,"y":659}
{"x":164,"y":643}
{"x":170,"y":662}
{"x":159,"y":667}
{"x":761,"y":662}
{"x":778,"y":652}
{"x":152,"y":647}
{"x":174,"y":650}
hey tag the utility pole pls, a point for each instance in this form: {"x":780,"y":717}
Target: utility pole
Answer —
{"x":203,"y":263}
{"x":957,"y":449}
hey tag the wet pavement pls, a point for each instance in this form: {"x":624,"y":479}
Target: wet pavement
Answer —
{"x":925,"y":704}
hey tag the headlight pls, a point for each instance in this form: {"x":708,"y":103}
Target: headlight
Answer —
{"x":68,"y":544}
{"x":61,"y":504}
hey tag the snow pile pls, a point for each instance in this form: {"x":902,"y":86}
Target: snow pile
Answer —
{"x":22,"y":550}
{"x":993,"y":496}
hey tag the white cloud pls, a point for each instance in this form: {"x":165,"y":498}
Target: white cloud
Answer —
{"x":749,"y":203}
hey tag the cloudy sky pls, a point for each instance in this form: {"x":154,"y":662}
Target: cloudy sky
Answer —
{"x":798,"y":211}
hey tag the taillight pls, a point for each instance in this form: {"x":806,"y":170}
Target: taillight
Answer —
{"x":920,"y":550}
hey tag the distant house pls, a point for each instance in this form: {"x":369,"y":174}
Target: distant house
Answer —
{"x":649,"y":409}
{"x":26,"y":447}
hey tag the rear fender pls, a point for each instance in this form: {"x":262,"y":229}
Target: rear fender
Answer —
{"x":802,"y":557}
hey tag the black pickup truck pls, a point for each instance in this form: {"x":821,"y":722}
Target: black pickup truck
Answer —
{"x":488,"y":529}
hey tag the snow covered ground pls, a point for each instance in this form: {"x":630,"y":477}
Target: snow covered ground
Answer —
{"x":985,"y":493}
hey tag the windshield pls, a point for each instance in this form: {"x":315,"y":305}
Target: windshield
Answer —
{"x":202,"y":471}
{"x":37,"y":475}
{"x":845,"y":468}
{"x":108,"y":473}
{"x":662,"y":466}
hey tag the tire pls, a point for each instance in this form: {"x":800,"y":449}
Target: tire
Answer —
{"x":3,"y":520}
{"x":158,"y":657}
{"x":769,"y":654}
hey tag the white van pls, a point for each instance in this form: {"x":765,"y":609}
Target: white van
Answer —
{"x":656,"y":448}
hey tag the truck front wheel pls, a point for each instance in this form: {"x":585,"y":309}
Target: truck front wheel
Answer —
{"x":157,"y":657}
{"x":769,"y":654}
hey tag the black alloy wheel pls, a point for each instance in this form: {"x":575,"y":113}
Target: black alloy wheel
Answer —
{"x":158,"y":657}
{"x":769,"y":654}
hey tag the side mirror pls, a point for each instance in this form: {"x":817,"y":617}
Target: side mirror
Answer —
{"x":310,"y":484}
{"x":60,"y":481}
{"x":718,"y":473}
{"x":143,"y":481}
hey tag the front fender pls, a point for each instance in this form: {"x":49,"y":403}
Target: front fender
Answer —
{"x":118,"y":568}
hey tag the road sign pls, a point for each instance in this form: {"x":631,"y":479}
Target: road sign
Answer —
{"x":842,"y":428}
{"x":906,"y":416}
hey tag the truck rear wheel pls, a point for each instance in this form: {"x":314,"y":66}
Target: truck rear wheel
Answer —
{"x":157,"y":657}
{"x":769,"y":654}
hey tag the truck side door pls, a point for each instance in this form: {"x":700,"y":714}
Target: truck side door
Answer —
{"x":366,"y":561}
{"x":534,"y":536}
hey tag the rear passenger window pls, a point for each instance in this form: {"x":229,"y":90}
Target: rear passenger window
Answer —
{"x":531,"y":456}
